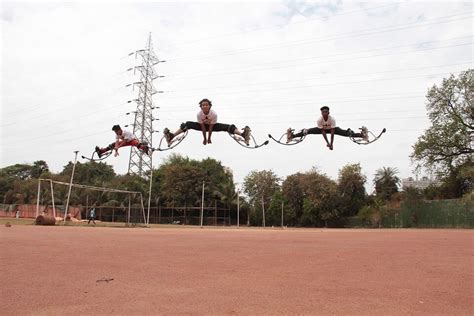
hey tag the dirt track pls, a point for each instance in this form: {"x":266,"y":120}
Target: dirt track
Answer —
{"x":54,"y":270}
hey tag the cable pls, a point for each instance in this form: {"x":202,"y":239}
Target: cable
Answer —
{"x":320,"y":84}
{"x":332,"y":77}
{"x":335,"y":37}
{"x":227,"y":35}
{"x":294,"y":103}
{"x":318,"y":62}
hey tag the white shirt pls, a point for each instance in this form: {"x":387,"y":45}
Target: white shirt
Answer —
{"x":126,"y":135}
{"x":330,"y":123}
{"x":210,"y":118}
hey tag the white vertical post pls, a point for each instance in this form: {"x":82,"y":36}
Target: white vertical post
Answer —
{"x":70,"y":186}
{"x":87,"y":206}
{"x":128,"y":213}
{"x":52,"y":198}
{"x":238,"y":208}
{"x":149,"y":196}
{"x":202,"y":203}
{"x":282,"y":214}
{"x":263,"y":212}
{"x":143,"y":208}
{"x":38,"y":198}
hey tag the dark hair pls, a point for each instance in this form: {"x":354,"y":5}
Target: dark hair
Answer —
{"x":324,"y":108}
{"x":116,"y":128}
{"x":205,"y":100}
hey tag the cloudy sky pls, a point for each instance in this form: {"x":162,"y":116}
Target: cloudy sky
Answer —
{"x":267,"y":64}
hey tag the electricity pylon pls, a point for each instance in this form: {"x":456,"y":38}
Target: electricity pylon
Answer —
{"x":140,"y":163}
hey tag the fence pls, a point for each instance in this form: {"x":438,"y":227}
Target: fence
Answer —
{"x":29,"y":210}
{"x":164,"y":215}
{"x":432,"y":214}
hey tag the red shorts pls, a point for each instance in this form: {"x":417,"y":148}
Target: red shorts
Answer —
{"x":133,"y":142}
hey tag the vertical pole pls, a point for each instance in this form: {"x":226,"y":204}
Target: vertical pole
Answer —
{"x":52,"y":198}
{"x":215,"y":213}
{"x":128,"y":212}
{"x":282,"y":214}
{"x":263,"y":212}
{"x":87,"y":205}
{"x":202,"y":202}
{"x":38,"y":198}
{"x":143,"y":208}
{"x":149,"y":193}
{"x":70,"y":186}
{"x":238,"y":208}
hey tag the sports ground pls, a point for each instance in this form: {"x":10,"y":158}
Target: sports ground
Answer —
{"x":57,"y":270}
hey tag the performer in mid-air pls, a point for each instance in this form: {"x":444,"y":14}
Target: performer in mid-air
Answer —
{"x":207,"y":123}
{"x":326,"y":124}
{"x":123,"y":138}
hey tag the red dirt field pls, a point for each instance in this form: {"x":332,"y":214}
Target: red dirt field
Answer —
{"x":55,"y":271}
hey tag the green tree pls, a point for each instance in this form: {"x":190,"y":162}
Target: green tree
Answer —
{"x":260,"y":185}
{"x":90,"y":173}
{"x":386,"y":182}
{"x":273,"y":213}
{"x":14,"y":187}
{"x":373,"y":212}
{"x":18,"y":171}
{"x":293,"y":192}
{"x":447,"y":143}
{"x":178,"y":182}
{"x":458,"y":183}
{"x":39,"y":168}
{"x":321,"y":193}
{"x":351,"y":188}
{"x":312,"y":198}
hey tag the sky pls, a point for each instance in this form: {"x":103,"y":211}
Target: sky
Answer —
{"x":267,"y":64}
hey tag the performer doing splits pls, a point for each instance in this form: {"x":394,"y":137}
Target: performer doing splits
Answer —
{"x":327,"y":124}
{"x":207,"y":123}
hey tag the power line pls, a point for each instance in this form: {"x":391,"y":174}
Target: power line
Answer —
{"x":74,"y":118}
{"x":323,"y":84}
{"x":318,"y":62}
{"x":365,"y":32}
{"x":295,"y":103}
{"x":60,"y":109}
{"x":264,"y":28}
{"x":332,"y":77}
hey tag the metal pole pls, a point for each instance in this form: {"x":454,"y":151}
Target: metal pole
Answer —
{"x":202,"y":203}
{"x":87,"y":206}
{"x":263,"y":212}
{"x":38,"y":198}
{"x":149,"y":193}
{"x":70,"y":186}
{"x":128,"y":215}
{"x":238,"y":208}
{"x":52,"y":198}
{"x":143,"y":208}
{"x":282,"y":214}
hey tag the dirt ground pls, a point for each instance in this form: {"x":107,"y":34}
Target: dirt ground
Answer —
{"x":98,"y":270}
